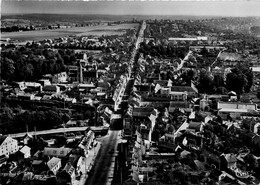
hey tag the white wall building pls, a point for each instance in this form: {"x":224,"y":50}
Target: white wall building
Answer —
{"x":8,"y":145}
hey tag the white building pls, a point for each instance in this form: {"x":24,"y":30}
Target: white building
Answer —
{"x":8,"y":145}
{"x":26,"y":151}
{"x":54,"y":164}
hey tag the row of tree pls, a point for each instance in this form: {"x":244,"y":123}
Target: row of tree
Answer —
{"x":16,"y":120}
{"x":162,"y":50}
{"x":31,"y":63}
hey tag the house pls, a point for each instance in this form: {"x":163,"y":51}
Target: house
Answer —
{"x":257,"y":128}
{"x":8,"y":145}
{"x":39,"y":166}
{"x":167,"y":141}
{"x":181,"y":105}
{"x":51,"y":89}
{"x":195,"y":126}
{"x":73,"y":73}
{"x":60,"y":77}
{"x":145,"y":118}
{"x":67,"y":175}
{"x":88,"y":73}
{"x":210,"y":48}
{"x":26,"y":138}
{"x":71,"y":100}
{"x":127,"y":122}
{"x":25,"y":151}
{"x":57,"y":152}
{"x":44,"y":82}
{"x":86,"y":142}
{"x":229,"y":59}
{"x":235,"y":108}
{"x":25,"y":96}
{"x":231,"y":160}
{"x":54,"y":164}
{"x":192,"y":91}
{"x":24,"y":85}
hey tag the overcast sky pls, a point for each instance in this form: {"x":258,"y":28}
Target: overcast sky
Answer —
{"x":146,"y":7}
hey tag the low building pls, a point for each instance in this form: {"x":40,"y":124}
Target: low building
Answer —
{"x":25,"y":151}
{"x":57,"y":152}
{"x":144,"y":118}
{"x":67,"y":175}
{"x":192,"y":91}
{"x":54,"y":164}
{"x":235,"y":108}
{"x":50,"y":89}
{"x":60,"y":78}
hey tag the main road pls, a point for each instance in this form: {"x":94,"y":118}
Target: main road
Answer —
{"x":103,"y":168}
{"x":104,"y":163}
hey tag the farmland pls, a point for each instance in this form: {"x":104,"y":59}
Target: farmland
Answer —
{"x":99,"y":30}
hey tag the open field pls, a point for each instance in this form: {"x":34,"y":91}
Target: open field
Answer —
{"x":56,"y":33}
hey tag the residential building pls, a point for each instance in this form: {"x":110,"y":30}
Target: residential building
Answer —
{"x":192,"y":91}
{"x":8,"y":145}
{"x":51,"y":89}
{"x":25,"y":151}
{"x":73,"y":73}
{"x":235,"y":108}
{"x":67,"y":175}
{"x":60,"y":78}
{"x":144,"y":118}
{"x":56,"y":152}
{"x":54,"y":164}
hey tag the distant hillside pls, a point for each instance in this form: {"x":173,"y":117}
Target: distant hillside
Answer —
{"x":78,"y":18}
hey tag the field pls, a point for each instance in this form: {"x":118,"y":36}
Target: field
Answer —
{"x":56,"y":33}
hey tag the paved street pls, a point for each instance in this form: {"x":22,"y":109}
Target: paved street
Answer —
{"x":88,"y":163}
{"x":103,"y":167}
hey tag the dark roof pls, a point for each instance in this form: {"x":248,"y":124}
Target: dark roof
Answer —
{"x":143,"y":111}
{"x":49,"y":88}
{"x":182,"y":89}
{"x":195,"y":125}
{"x":161,"y":82}
{"x":2,"y":138}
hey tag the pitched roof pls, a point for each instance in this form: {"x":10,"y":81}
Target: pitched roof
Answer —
{"x":53,"y":162}
{"x":25,"y":149}
{"x":2,"y":139}
{"x":229,"y":56}
{"x":69,"y":168}
{"x":182,"y":89}
{"x":143,"y":111}
{"x":50,"y":88}
{"x":60,"y":152}
{"x":230,"y":158}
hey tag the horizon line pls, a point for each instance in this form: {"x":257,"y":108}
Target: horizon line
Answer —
{"x":130,"y":14}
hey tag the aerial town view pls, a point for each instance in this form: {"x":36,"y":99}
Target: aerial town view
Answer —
{"x":130,"y":93}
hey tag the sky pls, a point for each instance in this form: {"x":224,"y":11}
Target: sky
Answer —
{"x":139,"y":7}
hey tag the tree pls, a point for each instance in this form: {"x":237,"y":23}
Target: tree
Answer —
{"x":7,"y":116}
{"x":236,"y":81}
{"x":205,"y":82}
{"x":7,"y":68}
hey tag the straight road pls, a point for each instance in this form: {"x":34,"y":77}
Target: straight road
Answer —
{"x":105,"y":161}
{"x":104,"y":164}
{"x":58,"y":130}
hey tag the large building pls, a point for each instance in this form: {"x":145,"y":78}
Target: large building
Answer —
{"x":8,"y":145}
